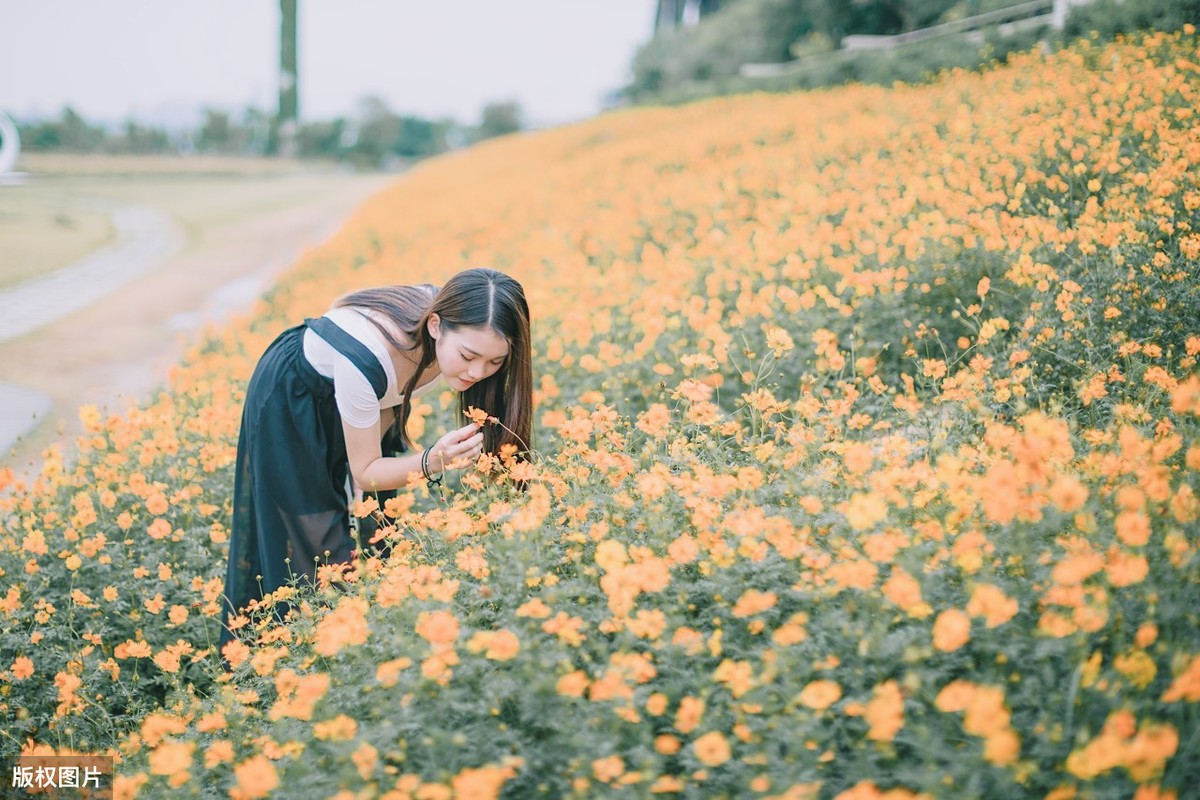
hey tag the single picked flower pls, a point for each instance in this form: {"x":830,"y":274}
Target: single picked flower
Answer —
{"x":479,"y":416}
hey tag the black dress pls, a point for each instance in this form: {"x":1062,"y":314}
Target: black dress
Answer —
{"x":290,"y":501}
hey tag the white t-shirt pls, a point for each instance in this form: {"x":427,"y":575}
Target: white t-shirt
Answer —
{"x":352,"y":391}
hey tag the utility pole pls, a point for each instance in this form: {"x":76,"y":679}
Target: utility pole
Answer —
{"x":287,"y":123}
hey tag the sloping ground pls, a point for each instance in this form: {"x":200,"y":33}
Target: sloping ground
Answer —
{"x":867,"y":467}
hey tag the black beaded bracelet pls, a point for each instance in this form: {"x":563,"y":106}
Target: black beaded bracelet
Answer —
{"x":425,"y":468}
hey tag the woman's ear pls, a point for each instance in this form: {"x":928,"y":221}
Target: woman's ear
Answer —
{"x":434,"y":326}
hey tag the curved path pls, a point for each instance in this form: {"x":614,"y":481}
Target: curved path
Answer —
{"x":145,"y":238}
{"x":106,"y":330}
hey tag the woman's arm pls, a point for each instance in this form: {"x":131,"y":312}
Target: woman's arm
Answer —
{"x":372,"y":471}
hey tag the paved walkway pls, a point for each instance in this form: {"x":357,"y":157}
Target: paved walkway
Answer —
{"x":20,"y":410}
{"x":106,"y":330}
{"x":145,"y":237}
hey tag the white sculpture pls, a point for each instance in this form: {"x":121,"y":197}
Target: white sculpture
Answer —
{"x":10,"y":150}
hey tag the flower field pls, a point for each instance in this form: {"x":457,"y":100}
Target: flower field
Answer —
{"x":866,"y":466}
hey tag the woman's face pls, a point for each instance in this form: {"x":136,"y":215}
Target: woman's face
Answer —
{"x":467,"y":355}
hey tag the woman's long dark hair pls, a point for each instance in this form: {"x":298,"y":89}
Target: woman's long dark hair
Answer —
{"x":474,"y":298}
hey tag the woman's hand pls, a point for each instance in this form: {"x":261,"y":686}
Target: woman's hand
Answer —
{"x":466,"y":442}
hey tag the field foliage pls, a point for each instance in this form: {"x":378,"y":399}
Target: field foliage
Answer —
{"x":867,"y":466}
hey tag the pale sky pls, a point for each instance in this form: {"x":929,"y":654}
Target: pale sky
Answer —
{"x":163,"y":60}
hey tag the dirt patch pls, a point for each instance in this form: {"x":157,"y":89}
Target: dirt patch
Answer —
{"x":114,"y":352}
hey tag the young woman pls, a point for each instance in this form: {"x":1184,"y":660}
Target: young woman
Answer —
{"x":327,"y":393}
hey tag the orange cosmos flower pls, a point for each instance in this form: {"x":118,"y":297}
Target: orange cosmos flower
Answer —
{"x":339,"y":729}
{"x":712,"y":749}
{"x":219,"y":752}
{"x":482,"y":783}
{"x":256,"y":777}
{"x":753,"y":602}
{"x":22,"y":668}
{"x":691,"y":709}
{"x":173,"y":759}
{"x":904,"y":590}
{"x":437,"y":627}
{"x":573,"y":684}
{"x":951,"y":630}
{"x":820,"y":694}
{"x":1002,"y":748}
{"x":885,"y":712}
{"x":501,"y":645}
{"x":667,"y":744}
{"x":1133,"y":528}
{"x":986,"y":713}
{"x":346,"y":626}
{"x":1186,"y":685}
{"x":992,"y":604}
{"x":608,"y":769}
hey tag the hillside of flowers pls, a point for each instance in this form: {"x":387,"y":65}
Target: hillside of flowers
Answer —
{"x":866,"y":466}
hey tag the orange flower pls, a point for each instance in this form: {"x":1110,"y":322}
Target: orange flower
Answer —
{"x":1068,"y":494}
{"x":481,"y":783}
{"x":986,"y":713}
{"x":22,"y":668}
{"x":339,"y":729}
{"x":297,"y":696}
{"x":712,"y":749}
{"x":951,"y":630}
{"x":691,"y":709}
{"x":904,"y":590}
{"x":753,"y":602}
{"x":608,"y":769}
{"x":573,"y":684}
{"x":534,"y":608}
{"x":159,"y":529}
{"x":667,"y":744}
{"x":388,"y":673}
{"x":820,"y":694}
{"x":885,"y":712}
{"x":1002,"y":748}
{"x":157,"y":504}
{"x":992,"y":604}
{"x":1186,"y":685}
{"x":437,"y":627}
{"x":501,"y":645}
{"x":955,"y":696}
{"x":1133,"y":528}
{"x":256,"y":777}
{"x":219,"y":752}
{"x":477,"y":415}
{"x":1126,"y":569}
{"x":345,"y":626}
{"x":172,"y":759}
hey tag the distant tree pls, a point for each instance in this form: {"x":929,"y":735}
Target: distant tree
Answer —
{"x":499,"y":119}
{"x":420,"y":138}
{"x":138,"y":138}
{"x":216,"y":134}
{"x":376,"y":131}
{"x":323,"y":139}
{"x":1109,"y":18}
{"x":69,"y":132}
{"x":912,"y":14}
